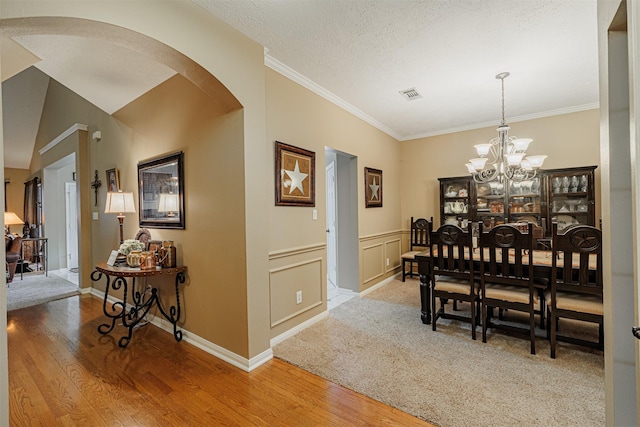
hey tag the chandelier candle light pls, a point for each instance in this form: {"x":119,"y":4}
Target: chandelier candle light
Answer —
{"x":505,"y":154}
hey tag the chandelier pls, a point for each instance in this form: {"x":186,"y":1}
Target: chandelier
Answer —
{"x":505,"y":155}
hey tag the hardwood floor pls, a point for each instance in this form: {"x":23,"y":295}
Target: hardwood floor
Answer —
{"x":63,"y":372}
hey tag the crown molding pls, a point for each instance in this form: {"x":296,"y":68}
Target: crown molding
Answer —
{"x":291,"y":74}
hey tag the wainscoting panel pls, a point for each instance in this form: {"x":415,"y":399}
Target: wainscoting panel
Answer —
{"x":375,"y":250}
{"x":393,"y":253}
{"x":290,"y":271}
{"x":372,"y":262}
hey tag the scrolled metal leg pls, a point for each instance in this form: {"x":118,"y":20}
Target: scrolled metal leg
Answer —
{"x":173,"y":315}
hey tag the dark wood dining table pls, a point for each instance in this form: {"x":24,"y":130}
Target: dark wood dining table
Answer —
{"x":542,"y":264}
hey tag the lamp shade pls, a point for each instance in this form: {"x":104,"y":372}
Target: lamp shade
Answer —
{"x":168,"y":202}
{"x":119,"y":203}
{"x":11,"y":218}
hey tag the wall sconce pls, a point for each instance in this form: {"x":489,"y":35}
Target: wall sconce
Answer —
{"x":120,"y":203}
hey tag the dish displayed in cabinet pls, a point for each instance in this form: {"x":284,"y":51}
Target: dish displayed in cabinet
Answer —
{"x":565,"y":221}
{"x":570,"y":184}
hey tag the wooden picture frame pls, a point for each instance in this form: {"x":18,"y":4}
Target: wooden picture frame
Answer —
{"x":161,"y":192}
{"x":295,"y":183}
{"x":372,"y":188}
{"x":154,"y":245}
{"x":113,"y":180}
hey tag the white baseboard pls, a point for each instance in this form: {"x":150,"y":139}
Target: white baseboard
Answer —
{"x":381,"y":284}
{"x":215,"y":350}
{"x":291,"y":332}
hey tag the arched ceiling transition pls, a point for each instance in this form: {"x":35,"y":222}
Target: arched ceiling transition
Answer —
{"x":107,"y":65}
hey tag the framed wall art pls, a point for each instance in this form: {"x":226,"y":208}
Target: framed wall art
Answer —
{"x":161,"y":192}
{"x":295,"y":176}
{"x":113,"y":180}
{"x":372,"y":188}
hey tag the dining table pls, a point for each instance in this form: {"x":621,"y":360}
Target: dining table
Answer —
{"x":542,"y":266}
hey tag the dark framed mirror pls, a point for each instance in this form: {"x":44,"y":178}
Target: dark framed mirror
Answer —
{"x":161,"y":192}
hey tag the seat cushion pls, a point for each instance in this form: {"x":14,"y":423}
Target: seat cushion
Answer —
{"x":453,"y":285}
{"x":412,"y":254}
{"x":509,"y":293}
{"x":580,"y":303}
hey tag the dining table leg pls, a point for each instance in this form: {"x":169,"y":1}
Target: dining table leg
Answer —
{"x":425,"y":299}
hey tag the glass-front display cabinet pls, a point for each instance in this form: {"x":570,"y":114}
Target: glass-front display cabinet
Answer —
{"x":526,"y":202}
{"x":490,"y":203}
{"x":571,"y":196}
{"x":455,"y":201}
{"x":566,"y":196}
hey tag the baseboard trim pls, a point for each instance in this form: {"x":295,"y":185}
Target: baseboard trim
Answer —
{"x":380,"y":284}
{"x":236,"y":360}
{"x":291,"y":332}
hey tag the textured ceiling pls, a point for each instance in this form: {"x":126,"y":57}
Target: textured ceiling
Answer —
{"x":357,"y":53}
{"x":364,"y":52}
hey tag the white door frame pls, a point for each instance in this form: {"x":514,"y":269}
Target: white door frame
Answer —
{"x":332,"y":250}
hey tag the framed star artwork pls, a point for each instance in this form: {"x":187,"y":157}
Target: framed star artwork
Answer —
{"x":372,"y":188}
{"x":295,"y":176}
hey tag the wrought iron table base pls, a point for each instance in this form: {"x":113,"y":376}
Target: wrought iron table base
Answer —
{"x":133,"y":312}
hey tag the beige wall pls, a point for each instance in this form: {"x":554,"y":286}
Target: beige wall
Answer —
{"x":298,"y":117}
{"x":240,"y":324}
{"x":174,"y":116}
{"x":15,"y":193}
{"x":568,"y":139}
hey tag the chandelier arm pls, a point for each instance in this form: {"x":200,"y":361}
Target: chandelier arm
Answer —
{"x":496,"y":166}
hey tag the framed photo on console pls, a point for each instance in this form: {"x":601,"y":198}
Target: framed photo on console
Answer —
{"x":372,"y":188}
{"x":295,"y":176}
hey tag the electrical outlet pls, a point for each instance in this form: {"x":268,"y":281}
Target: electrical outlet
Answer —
{"x":387,"y":262}
{"x":298,"y":297}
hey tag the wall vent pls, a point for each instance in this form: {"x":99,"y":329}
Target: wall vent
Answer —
{"x":411,"y":94}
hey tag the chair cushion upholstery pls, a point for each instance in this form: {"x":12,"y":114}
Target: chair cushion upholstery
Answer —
{"x":509,"y":293}
{"x":452,"y":285}
{"x":412,"y":254}
{"x":581,"y":303}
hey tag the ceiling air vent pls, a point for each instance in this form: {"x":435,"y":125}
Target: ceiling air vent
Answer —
{"x":411,"y":94}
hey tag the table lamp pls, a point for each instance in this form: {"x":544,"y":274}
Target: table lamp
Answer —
{"x":120,"y":203}
{"x":168,"y":202}
{"x":11,"y":218}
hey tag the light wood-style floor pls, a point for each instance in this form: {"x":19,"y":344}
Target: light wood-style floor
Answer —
{"x":62,"y":372}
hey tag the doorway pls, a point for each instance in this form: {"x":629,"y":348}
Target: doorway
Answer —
{"x":71,"y":220}
{"x":341,"y":226}
{"x":60,"y":206}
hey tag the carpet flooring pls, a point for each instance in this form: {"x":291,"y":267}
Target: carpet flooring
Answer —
{"x":36,"y":289}
{"x":378,"y":346}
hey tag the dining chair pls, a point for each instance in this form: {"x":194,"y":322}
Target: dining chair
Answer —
{"x":452,"y":273}
{"x":506,"y":278}
{"x":419,"y":243}
{"x":576,"y":283}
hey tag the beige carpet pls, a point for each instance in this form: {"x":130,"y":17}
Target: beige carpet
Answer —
{"x":36,"y":288}
{"x":378,"y":346}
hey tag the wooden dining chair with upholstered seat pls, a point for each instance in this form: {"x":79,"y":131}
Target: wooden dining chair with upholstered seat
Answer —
{"x":452,"y":273}
{"x":576,"y":283}
{"x":506,"y":277}
{"x":419,"y":243}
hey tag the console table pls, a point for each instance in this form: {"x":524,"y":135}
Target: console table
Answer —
{"x":136,"y":304}
{"x":39,"y":250}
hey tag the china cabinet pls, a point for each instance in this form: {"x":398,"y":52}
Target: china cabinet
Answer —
{"x":565,"y":196}
{"x":456,"y":198}
{"x":571,"y":196}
